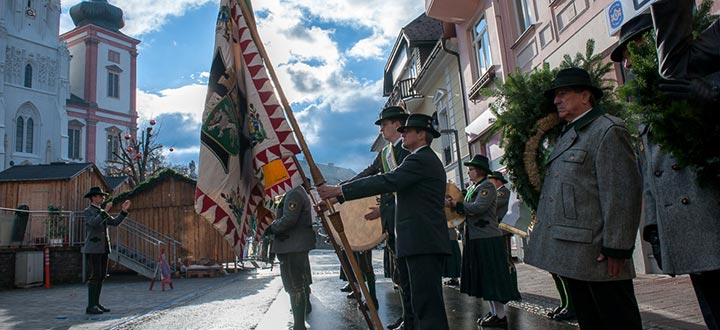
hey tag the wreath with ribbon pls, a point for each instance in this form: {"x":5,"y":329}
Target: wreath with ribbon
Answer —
{"x":529,"y":123}
{"x":685,"y":130}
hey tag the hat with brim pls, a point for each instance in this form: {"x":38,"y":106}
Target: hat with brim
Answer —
{"x":634,"y":28}
{"x":573,"y":77}
{"x":420,"y":121}
{"x":95,"y":191}
{"x":392,"y":112}
{"x":481,"y":162}
{"x":498,"y":176}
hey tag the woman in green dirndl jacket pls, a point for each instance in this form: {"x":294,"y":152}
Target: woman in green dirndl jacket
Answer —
{"x":486,"y":270}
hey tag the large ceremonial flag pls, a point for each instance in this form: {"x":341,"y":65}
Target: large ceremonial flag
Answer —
{"x":246,"y":143}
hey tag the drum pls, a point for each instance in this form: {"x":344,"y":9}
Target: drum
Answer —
{"x":361,"y":234}
{"x":453,"y":218}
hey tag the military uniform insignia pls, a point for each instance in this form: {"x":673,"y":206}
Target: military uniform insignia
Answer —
{"x":292,"y":206}
{"x":501,"y":194}
{"x":484,"y":192}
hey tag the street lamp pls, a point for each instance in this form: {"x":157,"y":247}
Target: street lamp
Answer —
{"x":457,"y":148}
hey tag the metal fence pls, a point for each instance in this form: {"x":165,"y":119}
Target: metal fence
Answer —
{"x":133,"y":244}
{"x":40,"y":228}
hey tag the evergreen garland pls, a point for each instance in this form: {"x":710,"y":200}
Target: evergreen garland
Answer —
{"x":528,"y":120}
{"x":684,"y":130}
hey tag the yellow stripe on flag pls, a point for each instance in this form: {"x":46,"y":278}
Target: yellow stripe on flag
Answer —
{"x":274,"y":172}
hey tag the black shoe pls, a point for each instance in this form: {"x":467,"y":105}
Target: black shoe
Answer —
{"x":494,"y":322}
{"x":555,"y":311}
{"x":452,"y":282}
{"x":396,"y":324}
{"x":346,"y":288}
{"x":400,"y":326}
{"x":350,"y":295}
{"x":102,"y":308}
{"x":93,"y":310}
{"x":564,"y":315}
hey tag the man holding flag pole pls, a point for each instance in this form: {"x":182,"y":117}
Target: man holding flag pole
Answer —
{"x":247,"y":151}
{"x":420,"y":227}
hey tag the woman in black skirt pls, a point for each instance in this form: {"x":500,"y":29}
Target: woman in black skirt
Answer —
{"x":486,"y":271}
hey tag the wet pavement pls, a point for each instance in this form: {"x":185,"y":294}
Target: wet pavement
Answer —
{"x":254,"y":299}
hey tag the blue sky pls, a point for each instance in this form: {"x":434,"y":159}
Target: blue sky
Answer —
{"x":329,"y":56}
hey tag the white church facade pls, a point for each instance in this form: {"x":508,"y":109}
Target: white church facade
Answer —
{"x":64,"y":98}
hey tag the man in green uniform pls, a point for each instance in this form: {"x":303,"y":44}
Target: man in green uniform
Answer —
{"x":387,"y":160}
{"x":420,"y":226}
{"x":294,"y":238}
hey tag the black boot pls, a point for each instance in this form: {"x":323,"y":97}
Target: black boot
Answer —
{"x":308,"y":307}
{"x":298,"y":302}
{"x":371,"y":288}
{"x":92,"y":302}
{"x":97,"y":299}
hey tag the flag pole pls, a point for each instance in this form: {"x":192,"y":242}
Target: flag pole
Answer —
{"x":314,"y":171}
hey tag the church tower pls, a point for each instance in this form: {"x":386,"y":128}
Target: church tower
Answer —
{"x":34,"y":83}
{"x":103,"y":79}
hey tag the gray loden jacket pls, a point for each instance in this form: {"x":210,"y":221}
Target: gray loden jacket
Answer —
{"x":590,"y":202}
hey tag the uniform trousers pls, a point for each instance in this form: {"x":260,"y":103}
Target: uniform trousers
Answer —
{"x":607,"y":305}
{"x":707,"y":291}
{"x":426,"y":293}
{"x":97,"y":264}
{"x":294,"y":270}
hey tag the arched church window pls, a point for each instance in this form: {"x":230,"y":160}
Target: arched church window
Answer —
{"x":19,"y":130}
{"x":28,"y":76}
{"x":29,"y":132}
{"x":24,"y":134}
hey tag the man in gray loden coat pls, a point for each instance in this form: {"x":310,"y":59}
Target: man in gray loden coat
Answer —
{"x":97,"y":244}
{"x":589,"y":209}
{"x":682,"y":215}
{"x":420,"y":226}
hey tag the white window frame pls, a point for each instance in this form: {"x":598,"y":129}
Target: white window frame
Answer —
{"x":481,"y":46}
{"x":524,"y":19}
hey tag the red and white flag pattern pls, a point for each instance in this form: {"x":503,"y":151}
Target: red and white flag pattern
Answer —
{"x":247,"y":145}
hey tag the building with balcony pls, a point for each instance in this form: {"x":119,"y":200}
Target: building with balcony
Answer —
{"x":497,"y":38}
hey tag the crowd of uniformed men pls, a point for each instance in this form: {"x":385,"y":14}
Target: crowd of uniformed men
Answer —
{"x":589,"y":210}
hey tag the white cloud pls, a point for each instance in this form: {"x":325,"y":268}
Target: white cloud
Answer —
{"x":141,"y":16}
{"x":292,"y":42}
{"x":187,"y":100}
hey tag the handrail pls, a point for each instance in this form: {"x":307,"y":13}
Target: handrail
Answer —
{"x":131,"y":239}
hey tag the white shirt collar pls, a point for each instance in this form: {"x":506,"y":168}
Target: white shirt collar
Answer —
{"x":418,"y":149}
{"x":580,"y":116}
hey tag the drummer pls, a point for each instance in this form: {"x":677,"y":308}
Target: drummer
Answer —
{"x":385,"y":161}
{"x":420,"y":226}
{"x":486,"y":272}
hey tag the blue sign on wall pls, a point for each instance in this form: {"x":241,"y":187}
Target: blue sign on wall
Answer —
{"x":615,"y":15}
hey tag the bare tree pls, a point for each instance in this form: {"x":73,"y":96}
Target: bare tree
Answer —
{"x":137,"y":157}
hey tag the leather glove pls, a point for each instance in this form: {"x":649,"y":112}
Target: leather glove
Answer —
{"x":650,"y":235}
{"x":696,"y":90}
{"x":268,"y":231}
